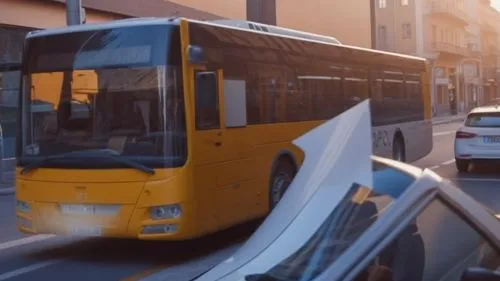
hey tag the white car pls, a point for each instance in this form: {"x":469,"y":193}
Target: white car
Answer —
{"x":479,"y":137}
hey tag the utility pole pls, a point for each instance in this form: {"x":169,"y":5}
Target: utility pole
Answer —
{"x":74,"y":12}
{"x":373,"y":23}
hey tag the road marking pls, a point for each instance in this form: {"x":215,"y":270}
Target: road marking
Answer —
{"x":434,"y":167}
{"x":443,"y":133}
{"x":449,"y":162}
{"x":146,"y":273}
{"x":24,"y":241}
{"x":476,"y":179}
{"x":26,"y":269}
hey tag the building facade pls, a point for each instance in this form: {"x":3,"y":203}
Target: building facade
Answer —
{"x":458,"y":37}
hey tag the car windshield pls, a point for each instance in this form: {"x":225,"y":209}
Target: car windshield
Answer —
{"x":483,"y":120}
{"x":113,"y":89}
{"x":347,"y":222}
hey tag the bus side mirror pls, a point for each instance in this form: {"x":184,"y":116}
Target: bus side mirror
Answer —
{"x":480,"y":274}
{"x":195,"y":54}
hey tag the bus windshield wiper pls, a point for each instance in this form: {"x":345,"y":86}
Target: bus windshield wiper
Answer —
{"x":99,"y":153}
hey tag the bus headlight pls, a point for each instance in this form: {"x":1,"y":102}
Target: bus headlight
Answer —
{"x":166,"y":212}
{"x":23,"y":206}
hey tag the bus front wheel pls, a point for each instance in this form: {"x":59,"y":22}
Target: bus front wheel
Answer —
{"x":282,"y":176}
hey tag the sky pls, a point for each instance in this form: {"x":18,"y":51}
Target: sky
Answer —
{"x":495,"y":4}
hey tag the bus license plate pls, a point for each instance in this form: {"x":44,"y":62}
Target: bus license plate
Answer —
{"x":75,"y":209}
{"x":85,"y":231}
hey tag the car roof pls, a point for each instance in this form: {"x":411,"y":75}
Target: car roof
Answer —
{"x":486,"y":109}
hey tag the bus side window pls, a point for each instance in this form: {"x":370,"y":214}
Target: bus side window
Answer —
{"x":206,"y":101}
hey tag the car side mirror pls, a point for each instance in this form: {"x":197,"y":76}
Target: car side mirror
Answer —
{"x":480,"y":274}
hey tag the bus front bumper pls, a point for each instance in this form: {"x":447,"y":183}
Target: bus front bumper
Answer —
{"x":124,"y":210}
{"x":121,"y":221}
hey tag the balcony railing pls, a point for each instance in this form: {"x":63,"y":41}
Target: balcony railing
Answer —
{"x":443,"y":47}
{"x":474,"y":51}
{"x":450,"y":9}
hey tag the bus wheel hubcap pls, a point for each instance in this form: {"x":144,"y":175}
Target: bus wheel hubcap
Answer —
{"x":280,"y":185}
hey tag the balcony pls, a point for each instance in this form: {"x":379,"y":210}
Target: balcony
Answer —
{"x":474,"y":51}
{"x":491,"y":74}
{"x":448,"y":9}
{"x":448,"y":48}
{"x":489,"y":19}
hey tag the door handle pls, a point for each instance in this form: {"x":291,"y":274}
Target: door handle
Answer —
{"x":218,"y":143}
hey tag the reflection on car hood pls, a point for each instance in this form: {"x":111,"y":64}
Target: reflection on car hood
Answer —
{"x":337,"y":154}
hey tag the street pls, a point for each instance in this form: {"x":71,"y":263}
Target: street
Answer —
{"x":47,"y":257}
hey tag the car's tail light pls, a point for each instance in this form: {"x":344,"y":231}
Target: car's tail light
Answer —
{"x":464,"y":135}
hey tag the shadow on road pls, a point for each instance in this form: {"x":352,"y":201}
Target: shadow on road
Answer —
{"x":155,"y":253}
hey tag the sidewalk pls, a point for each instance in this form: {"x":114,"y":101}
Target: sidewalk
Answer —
{"x":7,"y":186}
{"x":448,"y":119}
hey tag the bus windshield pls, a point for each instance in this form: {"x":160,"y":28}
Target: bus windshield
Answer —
{"x":114,"y":90}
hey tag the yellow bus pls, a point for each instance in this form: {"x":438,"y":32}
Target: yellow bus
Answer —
{"x":175,"y":128}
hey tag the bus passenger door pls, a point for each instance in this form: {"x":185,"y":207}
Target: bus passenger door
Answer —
{"x":206,"y":147}
{"x":215,"y":154}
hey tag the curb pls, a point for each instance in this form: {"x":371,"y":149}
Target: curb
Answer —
{"x":7,"y":191}
{"x":461,"y":119}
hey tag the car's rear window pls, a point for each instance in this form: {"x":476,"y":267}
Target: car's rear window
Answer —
{"x":483,"y":120}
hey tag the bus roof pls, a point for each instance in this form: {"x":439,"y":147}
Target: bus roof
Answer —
{"x":272,"y":29}
{"x":104,"y":25}
{"x":279,"y":32}
{"x":224,"y":24}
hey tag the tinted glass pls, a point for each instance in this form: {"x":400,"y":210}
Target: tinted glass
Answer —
{"x":483,"y":120}
{"x":437,"y":245}
{"x":359,"y":209}
{"x":117,"y":90}
{"x":290,"y":80}
{"x":207,"y":101}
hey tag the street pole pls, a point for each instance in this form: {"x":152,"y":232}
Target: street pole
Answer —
{"x":74,"y":14}
{"x":373,"y":23}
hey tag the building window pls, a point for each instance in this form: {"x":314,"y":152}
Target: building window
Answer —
{"x":11,"y":48}
{"x":382,"y":37}
{"x":406,"y":31}
{"x":382,"y":3}
{"x":405,"y":2}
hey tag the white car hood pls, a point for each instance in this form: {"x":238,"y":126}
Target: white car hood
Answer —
{"x":337,"y":154}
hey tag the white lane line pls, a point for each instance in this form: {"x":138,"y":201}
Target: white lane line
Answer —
{"x":434,"y":167}
{"x":449,"y":162}
{"x":475,"y":179}
{"x":24,"y":241}
{"x":26,"y":269}
{"x":443,"y":133}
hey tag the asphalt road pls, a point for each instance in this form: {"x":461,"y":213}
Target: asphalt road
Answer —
{"x":46,"y":257}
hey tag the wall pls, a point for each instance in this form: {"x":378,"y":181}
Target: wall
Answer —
{"x":41,"y":14}
{"x":233,"y":9}
{"x":348,"y":21}
{"x":392,"y":17}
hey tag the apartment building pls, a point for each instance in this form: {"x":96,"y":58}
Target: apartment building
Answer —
{"x":458,"y":37}
{"x":490,"y":56}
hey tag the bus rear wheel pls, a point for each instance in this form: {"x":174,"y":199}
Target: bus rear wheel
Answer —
{"x":398,"y":149}
{"x":281,"y":178}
